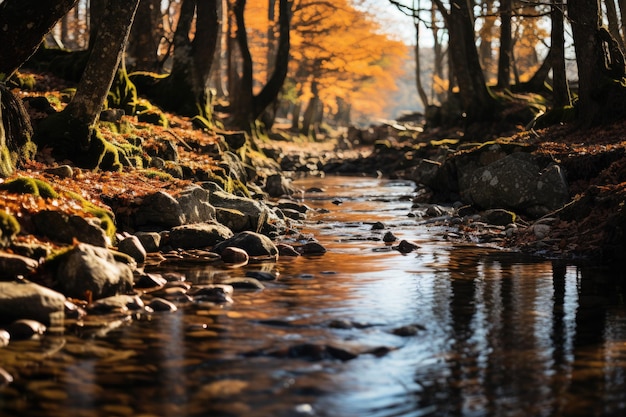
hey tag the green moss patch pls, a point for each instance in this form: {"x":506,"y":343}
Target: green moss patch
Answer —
{"x":25,"y":185}
{"x":9,"y":227}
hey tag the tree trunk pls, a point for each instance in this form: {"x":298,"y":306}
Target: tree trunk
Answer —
{"x":143,"y":43}
{"x":71,"y":133}
{"x":271,"y":50}
{"x":104,"y":60}
{"x":23,"y":26}
{"x":486,"y":36}
{"x":561,"y":93}
{"x":613,"y":23}
{"x":295,"y":116}
{"x":585,"y":18}
{"x":476,"y":101}
{"x":506,"y":45}
{"x":246,"y":106}
{"x":622,"y":11}
{"x":185,"y":89}
{"x":309,"y":112}
{"x":418,"y":66}
{"x":244,"y":101}
{"x":217,"y":74}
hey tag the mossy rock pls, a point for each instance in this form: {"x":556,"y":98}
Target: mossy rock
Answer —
{"x":123,"y":93}
{"x":155,"y":173}
{"x":74,"y":140}
{"x":6,"y":163}
{"x":107,"y":218}
{"x":26,"y":185}
{"x":9,"y":228}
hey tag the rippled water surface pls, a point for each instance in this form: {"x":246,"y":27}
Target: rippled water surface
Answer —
{"x":363,"y":330}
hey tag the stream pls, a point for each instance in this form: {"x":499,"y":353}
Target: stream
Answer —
{"x":360,"y":331}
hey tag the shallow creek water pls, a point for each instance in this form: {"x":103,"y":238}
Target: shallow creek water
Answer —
{"x":495,"y":334}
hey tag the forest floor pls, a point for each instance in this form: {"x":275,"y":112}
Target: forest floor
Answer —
{"x":592,"y":226}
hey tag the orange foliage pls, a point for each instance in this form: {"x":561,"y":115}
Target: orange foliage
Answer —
{"x":336,"y":46}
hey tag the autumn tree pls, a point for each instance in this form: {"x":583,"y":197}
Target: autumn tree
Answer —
{"x":246,"y":106}
{"x":600,"y":65}
{"x":476,"y":101}
{"x":145,"y":37}
{"x":72,"y":132}
{"x":341,"y":60}
{"x":23,"y":25}
{"x":184,"y":90}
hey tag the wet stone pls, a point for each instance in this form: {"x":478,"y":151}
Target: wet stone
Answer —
{"x":177,"y":294}
{"x":212,"y":293}
{"x":408,"y":330}
{"x":378,"y":226}
{"x":132,"y":246}
{"x":116,"y":304}
{"x":262,"y":275}
{"x":406,"y":247}
{"x":5,"y":377}
{"x":161,"y":304}
{"x":244,"y":283}
{"x":389,"y":237}
{"x":231,"y":255}
{"x":287,"y":250}
{"x":150,"y":281}
{"x":312,"y":248}
{"x":26,"y":329}
{"x":5,"y":338}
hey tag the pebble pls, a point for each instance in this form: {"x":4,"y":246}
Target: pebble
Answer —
{"x":5,"y":337}
{"x":378,"y":226}
{"x":150,"y":281}
{"x":262,"y":275}
{"x":286,"y":250}
{"x":232,"y":255}
{"x":218,"y":293}
{"x":25,"y":329}
{"x":389,"y":237}
{"x":406,"y":247}
{"x":312,"y":248}
{"x":161,"y":304}
{"x":244,"y":283}
{"x":409,"y":330}
{"x":5,"y":377}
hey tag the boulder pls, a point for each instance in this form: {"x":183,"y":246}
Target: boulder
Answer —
{"x":132,"y":247}
{"x":162,"y":210}
{"x":276,"y":186}
{"x":88,"y":271}
{"x":233,"y":166}
{"x":257,"y":215}
{"x":12,"y":266}
{"x":199,"y":235}
{"x":63,"y":227}
{"x":159,"y":209}
{"x":234,"y":219}
{"x":27,"y":300}
{"x":517,"y":182}
{"x":194,"y":203}
{"x":232,"y":255}
{"x":149,"y":240}
{"x":256,"y":245}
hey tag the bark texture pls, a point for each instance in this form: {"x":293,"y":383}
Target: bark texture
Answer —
{"x":23,"y":25}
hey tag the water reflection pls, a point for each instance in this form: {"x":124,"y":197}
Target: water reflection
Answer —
{"x":499,"y":334}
